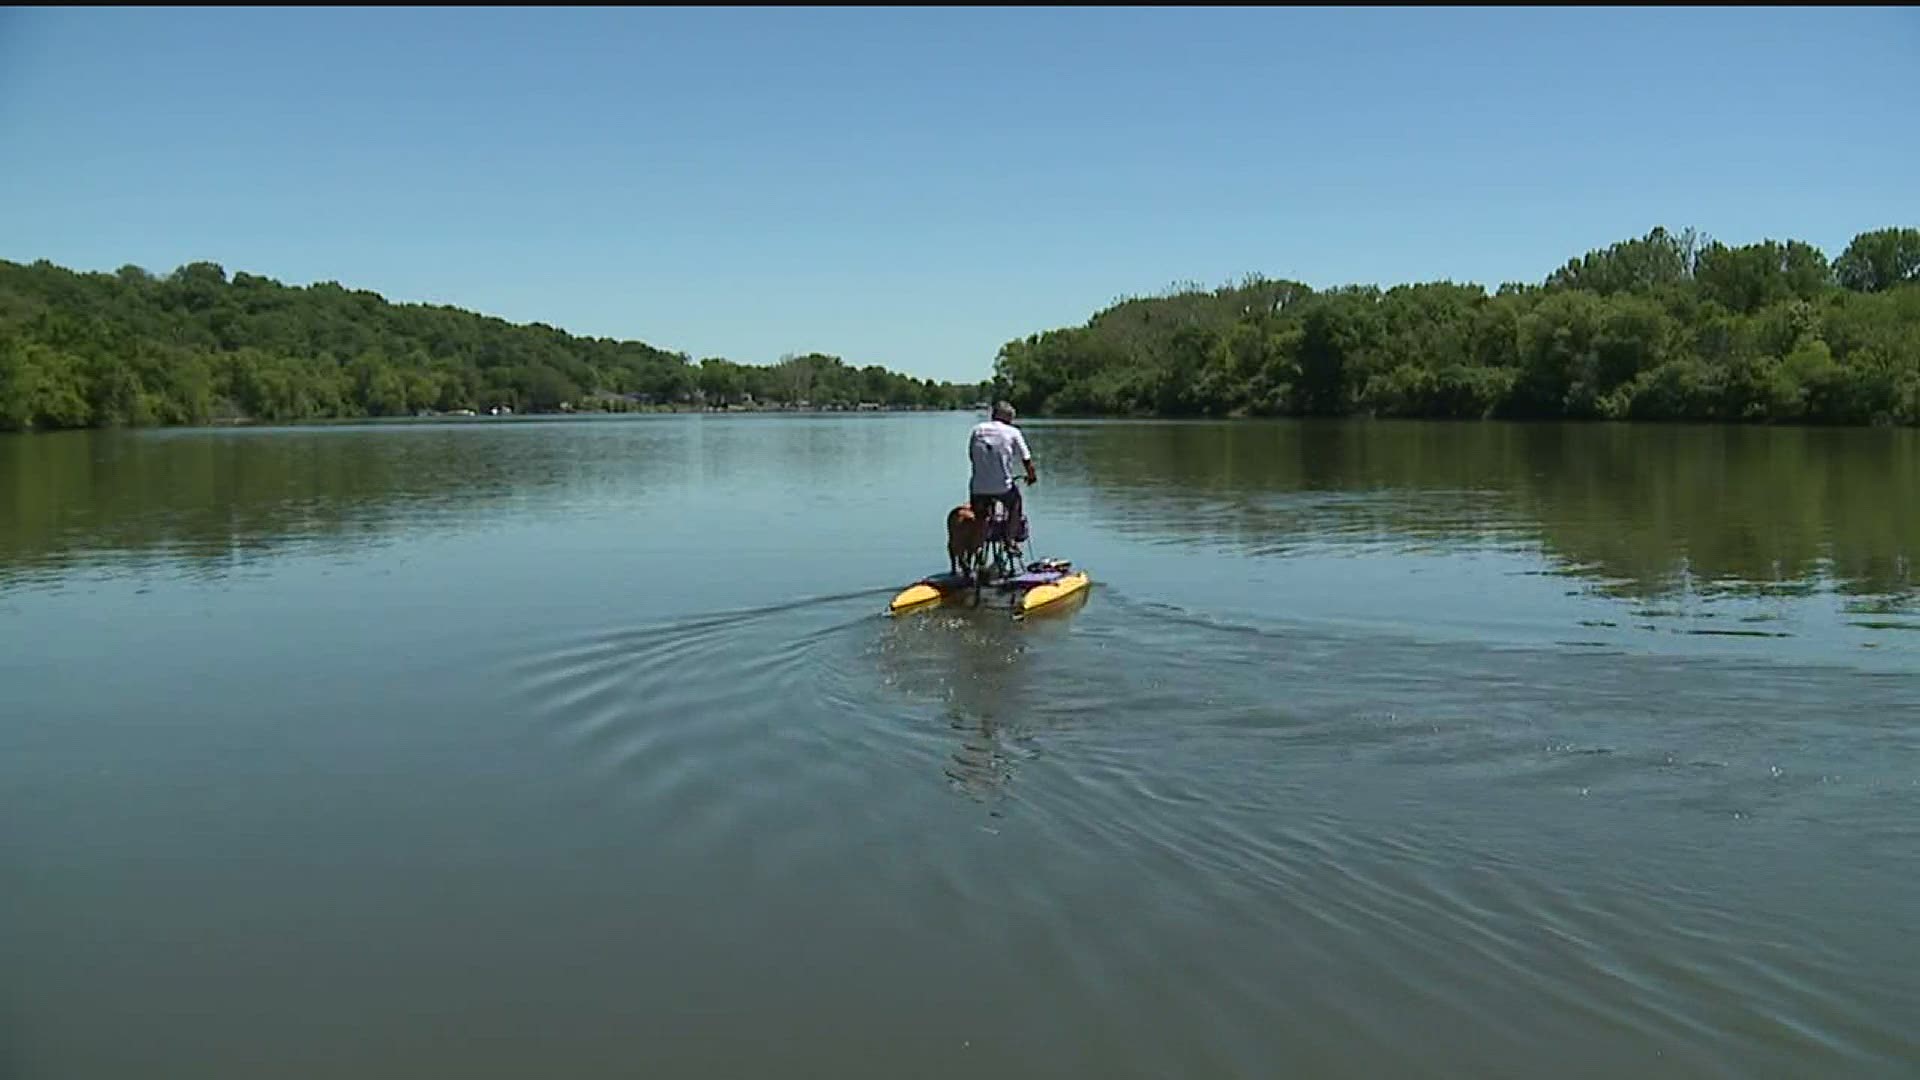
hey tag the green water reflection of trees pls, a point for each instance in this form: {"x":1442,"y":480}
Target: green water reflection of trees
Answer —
{"x":1649,"y":509}
{"x":1639,"y":505}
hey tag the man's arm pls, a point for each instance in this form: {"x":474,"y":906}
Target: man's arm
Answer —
{"x":1026,"y":457}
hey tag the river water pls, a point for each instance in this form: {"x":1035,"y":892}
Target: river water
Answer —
{"x":584,"y":748}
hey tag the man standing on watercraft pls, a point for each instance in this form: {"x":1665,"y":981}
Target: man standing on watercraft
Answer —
{"x":994,"y":447}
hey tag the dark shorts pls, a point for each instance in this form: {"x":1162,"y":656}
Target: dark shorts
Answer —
{"x":983,"y":510}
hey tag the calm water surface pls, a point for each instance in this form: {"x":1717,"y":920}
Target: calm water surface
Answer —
{"x":583,"y":749}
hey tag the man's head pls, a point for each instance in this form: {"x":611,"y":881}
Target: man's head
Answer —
{"x":1003,"y":412}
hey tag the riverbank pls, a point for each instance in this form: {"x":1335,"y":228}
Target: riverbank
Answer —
{"x":681,"y":408}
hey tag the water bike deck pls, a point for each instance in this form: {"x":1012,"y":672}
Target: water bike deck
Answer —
{"x":1042,"y":584}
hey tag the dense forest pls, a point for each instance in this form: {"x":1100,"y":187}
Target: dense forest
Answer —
{"x":93,"y":349}
{"x":1666,"y":327}
{"x":1669,"y":326}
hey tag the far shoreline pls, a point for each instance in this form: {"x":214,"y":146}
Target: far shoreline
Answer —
{"x":657,"y":411}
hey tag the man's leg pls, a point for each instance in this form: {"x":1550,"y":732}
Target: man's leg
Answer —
{"x":982,"y":516}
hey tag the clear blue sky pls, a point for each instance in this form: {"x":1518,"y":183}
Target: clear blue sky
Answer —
{"x":915,"y":187}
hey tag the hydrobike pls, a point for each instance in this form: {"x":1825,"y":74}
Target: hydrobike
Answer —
{"x":996,"y":569}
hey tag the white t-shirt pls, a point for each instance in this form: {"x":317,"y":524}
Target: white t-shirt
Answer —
{"x":999,"y":453}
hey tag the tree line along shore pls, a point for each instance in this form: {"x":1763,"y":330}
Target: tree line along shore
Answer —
{"x":1670,"y":326}
{"x":1666,"y":327}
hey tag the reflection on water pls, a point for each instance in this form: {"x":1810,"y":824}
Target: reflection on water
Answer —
{"x":213,"y":499}
{"x":1646,"y":511}
{"x":971,"y":660}
{"x":1643,"y":512}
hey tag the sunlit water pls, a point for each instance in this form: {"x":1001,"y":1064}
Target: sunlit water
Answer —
{"x":583,"y":749}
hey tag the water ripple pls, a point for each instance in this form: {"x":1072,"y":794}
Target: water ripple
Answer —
{"x":1436,"y":837}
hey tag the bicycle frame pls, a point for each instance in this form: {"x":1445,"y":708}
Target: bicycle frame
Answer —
{"x":995,"y":559}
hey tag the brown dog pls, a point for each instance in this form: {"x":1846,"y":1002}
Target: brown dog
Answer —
{"x":964,"y":537}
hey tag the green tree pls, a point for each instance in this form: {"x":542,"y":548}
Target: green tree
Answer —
{"x":1746,"y":279}
{"x":1657,"y":260}
{"x":1879,"y":260}
{"x":721,"y":381}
